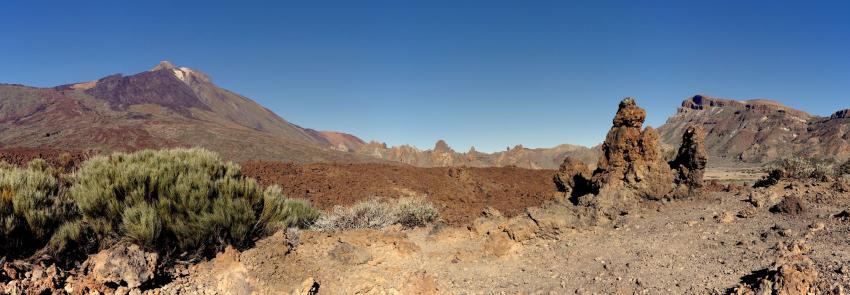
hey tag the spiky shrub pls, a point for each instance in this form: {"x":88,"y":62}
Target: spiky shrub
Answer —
{"x":183,"y":198}
{"x":30,"y":206}
{"x":804,"y":168}
{"x":416,"y":212}
{"x":66,"y":161}
{"x":843,"y":169}
{"x":281,"y":213}
{"x":373,"y":213}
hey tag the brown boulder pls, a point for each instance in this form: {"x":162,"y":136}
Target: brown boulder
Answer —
{"x":122,"y":265}
{"x":791,"y":204}
{"x":573,"y":177}
{"x":691,"y":160}
{"x":792,"y":273}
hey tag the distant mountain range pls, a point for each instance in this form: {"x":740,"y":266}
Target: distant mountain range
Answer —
{"x":171,"y":106}
{"x":163,"y":107}
{"x":442,"y":155}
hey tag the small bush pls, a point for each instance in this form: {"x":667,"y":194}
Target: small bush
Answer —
{"x":373,"y":213}
{"x":802,"y":168}
{"x":416,"y":212}
{"x":773,"y":177}
{"x":183,"y":199}
{"x":843,"y":169}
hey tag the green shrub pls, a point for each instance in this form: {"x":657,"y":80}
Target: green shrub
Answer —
{"x":186,"y":199}
{"x":281,"y":213}
{"x":141,"y":224}
{"x":30,"y":208}
{"x":373,"y":213}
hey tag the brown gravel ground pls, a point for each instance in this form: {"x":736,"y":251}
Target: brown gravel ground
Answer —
{"x":460,"y":193}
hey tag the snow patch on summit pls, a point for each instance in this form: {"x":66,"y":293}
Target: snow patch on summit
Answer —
{"x":179,"y":74}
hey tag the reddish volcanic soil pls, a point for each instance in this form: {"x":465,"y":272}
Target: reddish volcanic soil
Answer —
{"x":459,"y":193}
{"x":22,"y":156}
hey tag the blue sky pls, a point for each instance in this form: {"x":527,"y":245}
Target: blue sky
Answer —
{"x":491,"y":74}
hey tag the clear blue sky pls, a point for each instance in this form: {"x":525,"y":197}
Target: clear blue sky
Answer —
{"x":486,"y":73}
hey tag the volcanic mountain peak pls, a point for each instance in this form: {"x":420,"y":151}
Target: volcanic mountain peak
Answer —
{"x":163,"y":65}
{"x":165,"y":106}
{"x":185,"y":74}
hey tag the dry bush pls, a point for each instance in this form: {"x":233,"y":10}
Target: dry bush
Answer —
{"x":415,"y":212}
{"x":183,"y":199}
{"x":805,"y":168}
{"x":374,"y":213}
{"x":843,"y":169}
{"x":30,"y":206}
{"x":799,"y":168}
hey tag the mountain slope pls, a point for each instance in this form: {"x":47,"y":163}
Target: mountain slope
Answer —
{"x":164,"y":107}
{"x":758,"y":131}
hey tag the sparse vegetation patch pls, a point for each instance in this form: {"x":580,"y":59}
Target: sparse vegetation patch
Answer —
{"x":408,"y":212}
{"x":802,"y":168}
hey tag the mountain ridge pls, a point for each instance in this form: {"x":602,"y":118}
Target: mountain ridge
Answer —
{"x":170,"y":106}
{"x":164,"y":107}
{"x":759,"y":130}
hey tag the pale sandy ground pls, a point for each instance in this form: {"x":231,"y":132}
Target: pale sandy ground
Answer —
{"x":699,"y":246}
{"x":734,"y":175}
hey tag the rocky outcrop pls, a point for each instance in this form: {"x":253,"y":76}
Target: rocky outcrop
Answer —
{"x":442,"y":155}
{"x":631,"y":157}
{"x":842,"y":114}
{"x":573,"y":177}
{"x":793,"y":272}
{"x":442,"y":147}
{"x":26,"y":278}
{"x":691,"y":160}
{"x":632,"y":168}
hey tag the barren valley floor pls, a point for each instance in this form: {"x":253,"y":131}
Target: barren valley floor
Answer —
{"x":707,"y":245}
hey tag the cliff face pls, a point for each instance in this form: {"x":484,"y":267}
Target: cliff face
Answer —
{"x":758,"y":131}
